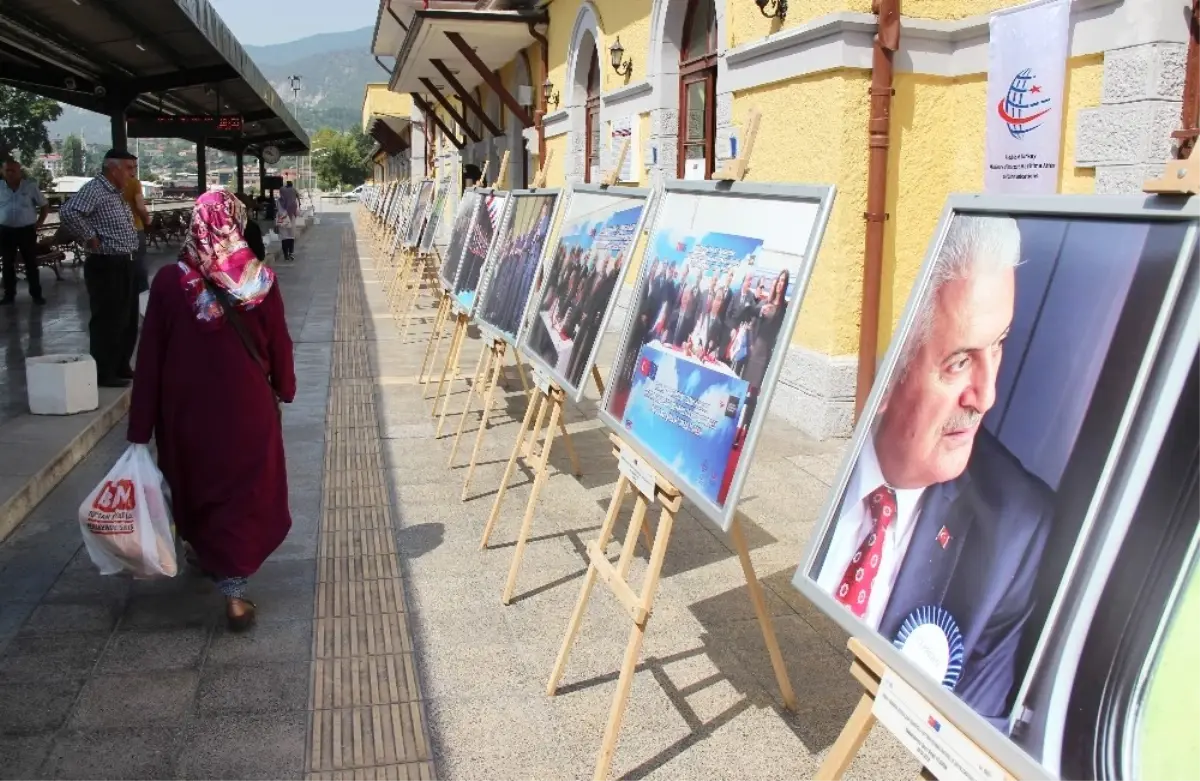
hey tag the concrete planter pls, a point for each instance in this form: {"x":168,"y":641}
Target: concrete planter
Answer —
{"x":61,"y":384}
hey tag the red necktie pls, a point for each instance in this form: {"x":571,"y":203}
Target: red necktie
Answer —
{"x":855,"y":590}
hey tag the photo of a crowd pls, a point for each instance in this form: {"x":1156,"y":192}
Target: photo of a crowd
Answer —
{"x":520,"y":241}
{"x":586,"y":269}
{"x":419,"y":211}
{"x":714,"y":297}
{"x":458,"y":238}
{"x":488,"y":209}
{"x":433,"y":219}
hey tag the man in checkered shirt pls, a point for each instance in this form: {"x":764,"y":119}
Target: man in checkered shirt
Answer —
{"x":99,"y":217}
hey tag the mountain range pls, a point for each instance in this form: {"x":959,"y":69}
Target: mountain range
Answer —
{"x":334,"y":69}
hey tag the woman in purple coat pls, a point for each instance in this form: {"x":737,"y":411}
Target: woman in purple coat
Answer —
{"x":214,"y":362}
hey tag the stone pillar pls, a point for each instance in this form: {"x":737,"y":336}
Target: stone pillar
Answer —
{"x":1127,"y":137}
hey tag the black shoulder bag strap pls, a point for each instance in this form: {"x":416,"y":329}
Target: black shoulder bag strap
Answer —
{"x":235,"y":319}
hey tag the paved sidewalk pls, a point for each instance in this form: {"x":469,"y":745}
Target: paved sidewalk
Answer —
{"x":110,"y":678}
{"x":383,"y":650}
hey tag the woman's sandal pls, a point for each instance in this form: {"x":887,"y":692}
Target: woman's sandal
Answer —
{"x":239,"y":613}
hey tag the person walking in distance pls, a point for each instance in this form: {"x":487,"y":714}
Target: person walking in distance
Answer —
{"x":285,"y":223}
{"x":214,"y":362}
{"x":99,"y":218}
{"x":23,"y":209}
{"x":132,"y":193}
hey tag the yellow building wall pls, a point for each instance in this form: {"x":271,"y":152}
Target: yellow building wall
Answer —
{"x":937,"y":148}
{"x":377,"y":100}
{"x":745,"y":24}
{"x":814,"y":129}
{"x":628,"y":20}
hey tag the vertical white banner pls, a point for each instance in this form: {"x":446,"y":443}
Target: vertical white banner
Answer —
{"x":1027,"y":63}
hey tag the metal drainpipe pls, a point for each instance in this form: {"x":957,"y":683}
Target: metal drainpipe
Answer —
{"x":887,"y":41}
{"x":540,"y":114}
{"x":1190,"y":115}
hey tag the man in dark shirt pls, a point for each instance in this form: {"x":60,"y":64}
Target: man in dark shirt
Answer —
{"x":99,"y":217}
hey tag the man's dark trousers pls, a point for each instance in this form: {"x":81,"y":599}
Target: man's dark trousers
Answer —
{"x":23,"y":241}
{"x":113,"y":326}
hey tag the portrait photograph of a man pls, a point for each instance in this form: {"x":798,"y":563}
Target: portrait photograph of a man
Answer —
{"x":969,"y":484}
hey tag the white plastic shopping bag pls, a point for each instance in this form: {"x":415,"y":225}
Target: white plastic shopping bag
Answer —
{"x":126,"y":520}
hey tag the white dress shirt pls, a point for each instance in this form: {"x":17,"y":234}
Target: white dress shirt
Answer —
{"x":19,"y":208}
{"x":855,"y":523}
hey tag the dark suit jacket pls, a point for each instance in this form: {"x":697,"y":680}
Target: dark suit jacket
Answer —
{"x":998,"y":516}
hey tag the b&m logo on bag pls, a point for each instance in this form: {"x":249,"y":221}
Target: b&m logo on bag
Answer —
{"x":112,"y":510}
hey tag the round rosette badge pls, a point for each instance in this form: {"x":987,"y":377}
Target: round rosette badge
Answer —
{"x":929,"y":637}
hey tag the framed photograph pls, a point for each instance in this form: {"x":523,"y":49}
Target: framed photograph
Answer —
{"x":520,"y":244}
{"x":713,"y":311}
{"x":434,"y":220}
{"x":578,"y":284}
{"x":488,"y":210}
{"x":458,"y":238}
{"x":418,"y":212}
{"x":1004,"y":448}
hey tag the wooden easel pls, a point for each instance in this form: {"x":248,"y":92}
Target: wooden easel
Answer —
{"x":435,"y":341}
{"x":548,"y":398}
{"x":460,"y":334}
{"x":867,"y":669}
{"x":649,"y":486}
{"x":488,"y":375}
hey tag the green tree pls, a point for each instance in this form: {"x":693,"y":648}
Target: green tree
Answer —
{"x":23,"y":118}
{"x":339,"y":158}
{"x":41,"y":174}
{"x":73,"y":156}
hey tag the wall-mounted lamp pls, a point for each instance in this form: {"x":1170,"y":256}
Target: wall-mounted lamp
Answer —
{"x":616,"y":53}
{"x":779,"y":9}
{"x":549,"y":94}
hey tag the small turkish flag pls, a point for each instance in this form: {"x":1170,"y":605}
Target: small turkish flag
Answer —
{"x":943,"y":538}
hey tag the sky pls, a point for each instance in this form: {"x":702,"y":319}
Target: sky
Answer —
{"x":263,"y":22}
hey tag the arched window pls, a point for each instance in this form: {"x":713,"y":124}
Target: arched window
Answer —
{"x":698,"y":91}
{"x":592,"y":129}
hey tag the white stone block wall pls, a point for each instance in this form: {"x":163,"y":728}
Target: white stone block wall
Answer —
{"x":1128,"y":137}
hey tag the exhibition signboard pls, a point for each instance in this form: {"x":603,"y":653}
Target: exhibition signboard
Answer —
{"x":520,"y":242}
{"x":418,"y":212}
{"x":578,"y":285}
{"x":489,"y":208}
{"x":434,"y":220}
{"x":458,"y":238}
{"x":1002,"y":458}
{"x":711,"y":316}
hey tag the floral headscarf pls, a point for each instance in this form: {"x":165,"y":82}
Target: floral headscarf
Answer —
{"x":216,"y":250}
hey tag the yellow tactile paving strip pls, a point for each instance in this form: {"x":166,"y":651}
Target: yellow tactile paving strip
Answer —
{"x":367,"y":721}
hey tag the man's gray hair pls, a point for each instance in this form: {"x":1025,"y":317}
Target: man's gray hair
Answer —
{"x":111,"y":162}
{"x":974,"y":245}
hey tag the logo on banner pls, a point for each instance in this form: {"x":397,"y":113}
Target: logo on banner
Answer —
{"x":649,"y":368}
{"x":1023,"y":104}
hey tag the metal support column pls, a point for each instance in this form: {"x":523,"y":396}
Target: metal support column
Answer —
{"x":201,"y":169}
{"x":120,"y":133}
{"x":262,"y":174}
{"x":241,"y":172}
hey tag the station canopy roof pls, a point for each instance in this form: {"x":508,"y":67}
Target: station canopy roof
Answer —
{"x":173,"y":63}
{"x":426,"y":41}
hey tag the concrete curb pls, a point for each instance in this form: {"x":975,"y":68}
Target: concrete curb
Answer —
{"x":21,"y":503}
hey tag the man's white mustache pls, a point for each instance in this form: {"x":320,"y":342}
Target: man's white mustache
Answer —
{"x":963,"y":420}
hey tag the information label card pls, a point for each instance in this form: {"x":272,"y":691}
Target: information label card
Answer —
{"x":940,"y":747}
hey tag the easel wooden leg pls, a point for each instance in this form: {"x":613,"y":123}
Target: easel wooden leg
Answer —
{"x":481,"y":371}
{"x":633,"y":649}
{"x":539,"y":481}
{"x":497,"y":365}
{"x":435,"y":343}
{"x":589,"y":582}
{"x":459,"y":329}
{"x":457,"y":354}
{"x":521,"y":372}
{"x":598,"y":379}
{"x":531,"y":445}
{"x":566,"y":435}
{"x":848,"y":743}
{"x":535,"y":403}
{"x":765,"y":624}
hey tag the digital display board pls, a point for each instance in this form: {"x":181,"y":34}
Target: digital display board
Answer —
{"x":183,"y":125}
